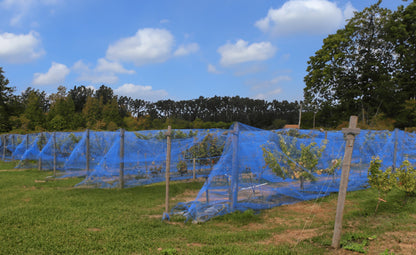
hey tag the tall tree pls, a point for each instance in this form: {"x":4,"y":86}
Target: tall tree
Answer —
{"x":5,"y":95}
{"x":352,"y":72}
{"x":79,"y":96}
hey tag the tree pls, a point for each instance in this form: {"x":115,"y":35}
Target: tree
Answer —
{"x":105,"y":94}
{"x":353,"y":71}
{"x":79,"y":96}
{"x":5,"y":95}
{"x":33,"y":112}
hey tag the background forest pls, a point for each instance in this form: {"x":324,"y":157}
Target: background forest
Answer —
{"x":367,"y":69}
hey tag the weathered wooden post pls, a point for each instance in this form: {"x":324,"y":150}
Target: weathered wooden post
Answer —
{"x":121,"y":177}
{"x":234,"y":168}
{"x":27,"y":141}
{"x":54,"y":154}
{"x":4,"y":146}
{"x":40,"y":152}
{"x":13,"y":146}
{"x":194,"y":168}
{"x":396,"y":140}
{"x":167,"y":174}
{"x":350,"y":133}
{"x":87,"y":152}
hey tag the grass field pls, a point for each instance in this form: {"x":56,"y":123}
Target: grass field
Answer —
{"x":42,"y":216}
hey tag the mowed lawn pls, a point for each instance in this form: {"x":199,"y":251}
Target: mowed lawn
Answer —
{"x":43,"y":216}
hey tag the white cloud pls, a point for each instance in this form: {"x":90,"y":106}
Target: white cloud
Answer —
{"x":104,"y":72}
{"x":147,"y":46}
{"x":213,"y":69}
{"x":19,"y":9}
{"x":303,"y":16}
{"x":186,"y":49}
{"x":20,"y":48}
{"x":141,"y":92}
{"x":104,"y":65}
{"x":269,"y":95}
{"x":241,"y":52}
{"x":349,"y":11}
{"x":268,"y":90}
{"x":55,"y":75}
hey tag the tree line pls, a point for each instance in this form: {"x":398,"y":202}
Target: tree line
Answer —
{"x":82,"y":107}
{"x":367,"y":69}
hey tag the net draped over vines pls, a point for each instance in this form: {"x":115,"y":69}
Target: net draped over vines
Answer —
{"x":245,"y":167}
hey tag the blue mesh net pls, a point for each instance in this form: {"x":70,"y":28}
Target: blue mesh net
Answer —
{"x":245,"y":167}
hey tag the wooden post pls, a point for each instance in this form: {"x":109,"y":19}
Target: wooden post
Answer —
{"x":87,"y":152}
{"x":54,"y":154}
{"x":40,"y":153}
{"x":396,"y":140}
{"x":167,"y":174}
{"x":194,"y":168}
{"x":350,"y":133}
{"x":234,"y":169}
{"x":27,"y":141}
{"x":4,"y":146}
{"x":121,"y":177}
{"x":13,"y":147}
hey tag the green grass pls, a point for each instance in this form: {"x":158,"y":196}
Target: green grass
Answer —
{"x":43,"y":216}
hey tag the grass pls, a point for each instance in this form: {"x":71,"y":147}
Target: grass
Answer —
{"x":43,"y":216}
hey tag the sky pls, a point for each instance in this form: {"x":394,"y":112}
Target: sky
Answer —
{"x":169,"y":49}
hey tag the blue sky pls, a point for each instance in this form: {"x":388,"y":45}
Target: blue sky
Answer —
{"x":169,"y":49}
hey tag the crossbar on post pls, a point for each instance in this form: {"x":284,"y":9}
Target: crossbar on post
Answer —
{"x":167,"y":174}
{"x":350,"y":133}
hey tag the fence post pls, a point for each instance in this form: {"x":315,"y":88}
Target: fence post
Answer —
{"x":194,"y":168}
{"x":87,"y":152}
{"x":396,"y":138}
{"x":167,"y":174}
{"x":350,"y":133}
{"x":54,"y":154}
{"x":121,"y":159}
{"x":40,"y":153}
{"x":13,"y":147}
{"x":4,"y":146}
{"x":27,"y":141}
{"x":234,"y":169}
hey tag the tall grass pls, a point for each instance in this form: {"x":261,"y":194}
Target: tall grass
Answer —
{"x":43,"y":216}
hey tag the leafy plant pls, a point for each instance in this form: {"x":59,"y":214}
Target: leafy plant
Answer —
{"x":294,"y":163}
{"x":207,"y":152}
{"x":382,"y":181}
{"x":182,"y":167}
{"x":406,"y":178}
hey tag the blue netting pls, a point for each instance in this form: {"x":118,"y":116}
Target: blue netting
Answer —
{"x":238,"y":163}
{"x":243,"y":180}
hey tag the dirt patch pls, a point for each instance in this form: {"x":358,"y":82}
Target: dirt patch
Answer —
{"x":397,"y":242}
{"x":94,"y":229}
{"x":291,"y":236}
{"x":187,"y":196}
{"x":194,"y":244}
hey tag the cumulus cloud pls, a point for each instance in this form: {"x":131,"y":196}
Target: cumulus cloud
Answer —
{"x":186,"y":49}
{"x":20,"y":48}
{"x":104,"y":65}
{"x":304,"y":16}
{"x":213,"y":69}
{"x":241,"y":52}
{"x":147,"y":46}
{"x":141,"y":92}
{"x":104,"y":72}
{"x":55,"y":75}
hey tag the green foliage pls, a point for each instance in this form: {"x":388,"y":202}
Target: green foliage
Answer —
{"x":182,"y":167}
{"x":294,"y":163}
{"x":406,"y":178}
{"x":356,"y":242}
{"x":382,"y":181}
{"x":207,"y":151}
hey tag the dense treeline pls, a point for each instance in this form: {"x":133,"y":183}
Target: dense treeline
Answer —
{"x":82,"y":107}
{"x":367,"y":69}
